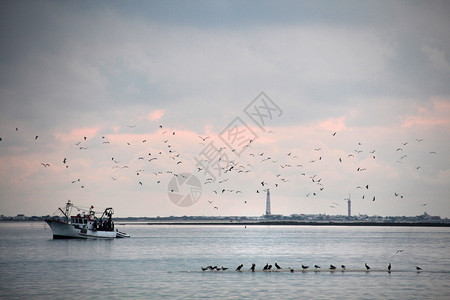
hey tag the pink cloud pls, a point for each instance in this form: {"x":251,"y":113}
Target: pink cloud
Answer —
{"x":436,"y":115}
{"x":332,"y":124}
{"x":77,"y":134}
{"x":156,"y":115}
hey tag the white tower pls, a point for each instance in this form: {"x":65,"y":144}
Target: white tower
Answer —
{"x":268,"y":203}
{"x":349,"y":203}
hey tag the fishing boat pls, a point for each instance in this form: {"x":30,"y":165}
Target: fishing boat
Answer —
{"x":83,"y":225}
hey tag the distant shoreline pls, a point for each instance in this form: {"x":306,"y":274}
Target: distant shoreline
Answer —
{"x":292,"y":223}
{"x":264,"y":223}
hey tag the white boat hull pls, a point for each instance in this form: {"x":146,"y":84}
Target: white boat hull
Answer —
{"x":63,"y":230}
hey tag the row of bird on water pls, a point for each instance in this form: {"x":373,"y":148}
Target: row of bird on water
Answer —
{"x":268,"y":267}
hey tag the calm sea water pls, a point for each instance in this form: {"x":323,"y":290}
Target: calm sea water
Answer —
{"x":165,"y":262}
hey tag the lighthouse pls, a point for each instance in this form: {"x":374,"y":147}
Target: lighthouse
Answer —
{"x":349,"y":203}
{"x":268,"y":202}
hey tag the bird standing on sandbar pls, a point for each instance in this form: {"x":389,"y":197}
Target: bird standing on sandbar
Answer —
{"x":278,"y":267}
{"x":332,"y":267}
{"x":266,"y":267}
{"x":239,"y":267}
{"x":316,"y":266}
{"x":305,"y":267}
{"x":253,"y":267}
{"x":389,"y":267}
{"x":418,"y":268}
{"x":367,"y":267}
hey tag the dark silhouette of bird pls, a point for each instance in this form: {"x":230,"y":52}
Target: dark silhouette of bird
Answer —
{"x":367,"y":267}
{"x":269,"y":267}
{"x":253,"y":267}
{"x":343,"y":267}
{"x":224,"y":269}
{"x":389,"y":267}
{"x":36,"y":137}
{"x":332,"y":267}
{"x":266,"y":267}
{"x":418,"y":268}
{"x":305,"y":267}
{"x":239,"y":267}
{"x":278,"y":267}
{"x":204,"y":269}
{"x":292,"y":270}
{"x":316,"y":266}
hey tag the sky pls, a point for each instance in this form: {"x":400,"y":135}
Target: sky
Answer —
{"x":173,"y":108}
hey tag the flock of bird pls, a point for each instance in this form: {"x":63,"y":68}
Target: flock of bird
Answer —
{"x":268,"y":267}
{"x":223,"y":174}
{"x":288,"y":167}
